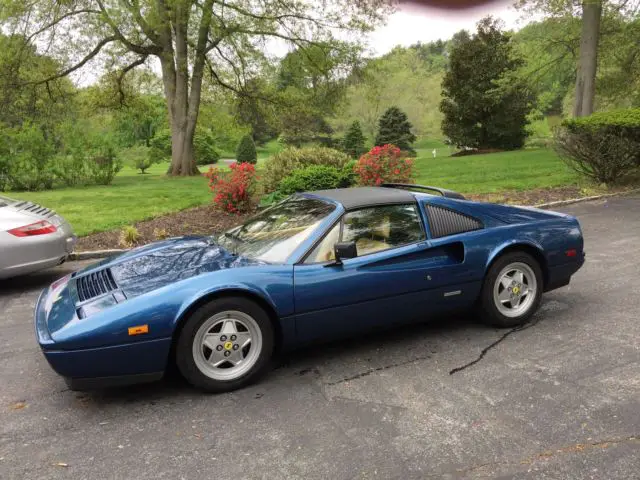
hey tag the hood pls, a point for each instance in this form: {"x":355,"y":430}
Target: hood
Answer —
{"x":158,"y":264}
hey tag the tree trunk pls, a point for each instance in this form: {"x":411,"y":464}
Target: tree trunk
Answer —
{"x":182,"y":155}
{"x":175,"y":77}
{"x":588,"y":61}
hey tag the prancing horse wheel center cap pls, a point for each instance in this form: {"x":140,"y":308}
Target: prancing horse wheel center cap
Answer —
{"x":228,"y":345}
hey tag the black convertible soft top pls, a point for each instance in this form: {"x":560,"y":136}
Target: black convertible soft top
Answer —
{"x":351,"y":198}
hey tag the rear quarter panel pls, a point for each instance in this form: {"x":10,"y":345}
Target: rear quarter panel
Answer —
{"x":552,"y":238}
{"x":549,"y":233}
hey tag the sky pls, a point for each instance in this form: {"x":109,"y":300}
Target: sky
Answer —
{"x":411,"y":24}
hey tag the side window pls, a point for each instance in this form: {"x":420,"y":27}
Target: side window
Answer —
{"x":444,"y":222}
{"x":324,"y":251}
{"x":380,"y":228}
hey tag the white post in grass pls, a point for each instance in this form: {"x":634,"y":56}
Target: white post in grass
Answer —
{"x":434,"y":153}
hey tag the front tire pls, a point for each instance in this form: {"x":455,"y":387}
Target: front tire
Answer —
{"x":512,"y":290}
{"x":225,"y":345}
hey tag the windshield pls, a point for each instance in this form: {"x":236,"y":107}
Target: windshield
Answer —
{"x":274,"y":234}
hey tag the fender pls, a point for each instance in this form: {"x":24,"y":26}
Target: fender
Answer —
{"x":284,"y":325}
{"x":496,"y":251}
{"x":252,"y":290}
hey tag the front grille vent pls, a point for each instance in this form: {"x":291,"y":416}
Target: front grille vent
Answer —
{"x":444,"y":222}
{"x":95,"y":284}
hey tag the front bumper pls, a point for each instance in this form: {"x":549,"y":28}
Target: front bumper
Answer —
{"x":113,"y":365}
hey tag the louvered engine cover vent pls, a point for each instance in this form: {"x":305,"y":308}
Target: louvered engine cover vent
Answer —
{"x":444,"y":222}
{"x":95,"y":284}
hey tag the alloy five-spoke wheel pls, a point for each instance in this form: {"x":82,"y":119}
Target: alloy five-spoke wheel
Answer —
{"x":512,"y":290}
{"x":225,"y":344}
{"x":515,"y":289}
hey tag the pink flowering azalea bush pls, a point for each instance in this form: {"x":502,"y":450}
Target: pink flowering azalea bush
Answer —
{"x":233,"y":192}
{"x":384,"y":164}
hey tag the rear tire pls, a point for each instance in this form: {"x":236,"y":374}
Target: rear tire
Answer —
{"x":512,"y":290}
{"x":225,"y":345}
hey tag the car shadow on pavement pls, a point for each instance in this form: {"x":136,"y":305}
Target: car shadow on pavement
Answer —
{"x":34,"y":281}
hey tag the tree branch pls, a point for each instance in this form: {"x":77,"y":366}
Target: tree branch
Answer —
{"x":231,"y":63}
{"x":60,"y":19}
{"x":78,"y":65}
{"x":279,"y":18}
{"x":240,"y":91}
{"x":266,"y":33}
{"x":134,"y":9}
{"x":126,"y":70}
{"x":139,"y":49}
{"x":200,"y":57}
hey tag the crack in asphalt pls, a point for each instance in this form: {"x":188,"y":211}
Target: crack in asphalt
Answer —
{"x":484,"y":351}
{"x":574,"y":448}
{"x":581,"y":447}
{"x":378,"y":369}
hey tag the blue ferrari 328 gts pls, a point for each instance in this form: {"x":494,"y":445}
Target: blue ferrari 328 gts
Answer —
{"x":316,"y":266}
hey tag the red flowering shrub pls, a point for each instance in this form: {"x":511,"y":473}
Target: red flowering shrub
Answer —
{"x":384,"y":164}
{"x":233,"y":191}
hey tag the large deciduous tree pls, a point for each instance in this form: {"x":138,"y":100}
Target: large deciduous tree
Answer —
{"x":484,"y":105}
{"x":255,"y":108}
{"x":592,"y":14}
{"x":588,"y":61}
{"x":189,"y":38}
{"x":310,"y":84}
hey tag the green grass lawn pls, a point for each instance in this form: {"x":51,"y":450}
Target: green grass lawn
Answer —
{"x":493,"y":172}
{"x":133,"y":197}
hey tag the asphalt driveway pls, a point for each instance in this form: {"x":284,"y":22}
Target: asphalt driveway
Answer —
{"x":560,"y":399}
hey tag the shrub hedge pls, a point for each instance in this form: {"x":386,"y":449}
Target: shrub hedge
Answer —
{"x":315,"y":177}
{"x":285,"y":162}
{"x":604,"y":146}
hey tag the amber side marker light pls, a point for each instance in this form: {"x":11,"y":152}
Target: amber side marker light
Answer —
{"x":139,"y":330}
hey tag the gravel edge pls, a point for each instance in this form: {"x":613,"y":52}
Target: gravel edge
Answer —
{"x":97,"y":254}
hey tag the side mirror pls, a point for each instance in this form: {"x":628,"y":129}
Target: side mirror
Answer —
{"x":345,"y":250}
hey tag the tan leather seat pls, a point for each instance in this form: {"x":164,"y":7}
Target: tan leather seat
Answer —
{"x":367,"y":245}
{"x":378,"y":239}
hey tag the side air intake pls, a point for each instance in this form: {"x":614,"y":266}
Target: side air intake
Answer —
{"x":444,"y":222}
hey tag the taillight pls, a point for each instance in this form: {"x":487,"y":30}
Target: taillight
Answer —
{"x":38,"y":228}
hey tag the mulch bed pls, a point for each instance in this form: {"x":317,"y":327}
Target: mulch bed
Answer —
{"x":530,"y":197}
{"x":207,"y":220}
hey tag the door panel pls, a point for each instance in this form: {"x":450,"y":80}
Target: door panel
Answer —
{"x":376,"y":290}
